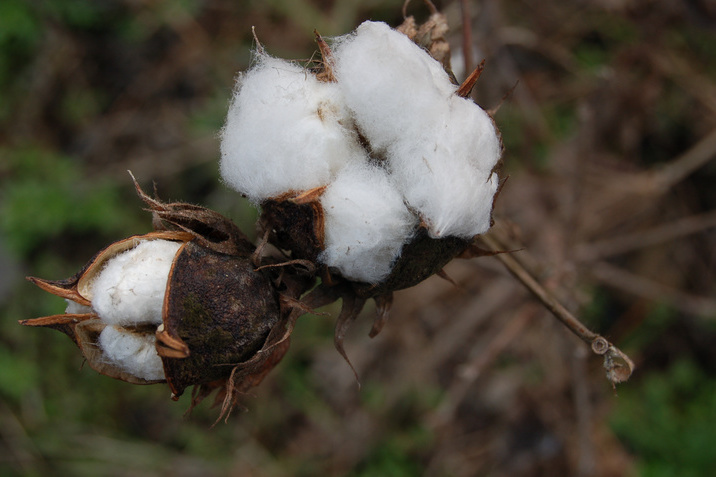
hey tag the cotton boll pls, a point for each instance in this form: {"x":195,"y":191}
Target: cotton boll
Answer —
{"x":285,"y":131}
{"x":134,"y":353}
{"x":391,"y":84}
{"x":446,"y":173}
{"x":366,"y":223}
{"x":131,"y":287}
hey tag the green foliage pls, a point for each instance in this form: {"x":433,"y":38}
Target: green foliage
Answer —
{"x":405,"y":438}
{"x":669,"y":421}
{"x":49,"y":194}
{"x":597,"y":49}
{"x":19,"y":36}
{"x":523,"y":144}
{"x":18,"y":375}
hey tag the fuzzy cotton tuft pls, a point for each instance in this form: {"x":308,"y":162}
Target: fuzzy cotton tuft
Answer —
{"x":74,"y":308}
{"x":441,"y":148}
{"x":134,"y":353}
{"x":446,"y":173}
{"x":285,"y":131}
{"x":390,"y":138}
{"x":366,"y":223}
{"x":391,"y":85}
{"x":130,"y":289}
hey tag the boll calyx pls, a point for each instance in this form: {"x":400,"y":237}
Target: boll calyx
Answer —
{"x":370,"y":156}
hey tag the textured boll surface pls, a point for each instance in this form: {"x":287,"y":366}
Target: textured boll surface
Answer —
{"x":426,"y":156}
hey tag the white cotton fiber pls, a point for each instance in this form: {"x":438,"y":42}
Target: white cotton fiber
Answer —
{"x":366,"y":223}
{"x":74,"y":308}
{"x":130,"y":289}
{"x":285,"y":131}
{"x":134,"y":353}
{"x":391,"y":84}
{"x":440,"y":148}
{"x":446,"y":172}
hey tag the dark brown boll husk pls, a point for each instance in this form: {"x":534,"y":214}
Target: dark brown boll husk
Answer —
{"x":294,"y":226}
{"x":218,"y":312}
{"x":419,"y":259}
{"x":221,"y":309}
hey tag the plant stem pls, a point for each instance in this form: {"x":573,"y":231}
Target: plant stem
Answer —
{"x":616,"y":363}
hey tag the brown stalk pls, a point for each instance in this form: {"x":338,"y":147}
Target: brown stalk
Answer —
{"x":589,"y":252}
{"x":616,"y":277}
{"x":466,"y":35}
{"x":617,"y":364}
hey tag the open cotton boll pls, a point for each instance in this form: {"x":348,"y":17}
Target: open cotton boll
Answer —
{"x":285,"y":131}
{"x":134,"y":353}
{"x":446,"y":173}
{"x":366,"y":223}
{"x":391,"y":84}
{"x":130,"y":288}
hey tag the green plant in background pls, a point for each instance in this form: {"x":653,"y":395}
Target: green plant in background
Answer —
{"x":19,"y":36}
{"x":668,"y":421}
{"x":48,"y":194}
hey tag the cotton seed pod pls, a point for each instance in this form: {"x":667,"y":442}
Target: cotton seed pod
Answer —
{"x":214,"y":310}
{"x":381,"y":169}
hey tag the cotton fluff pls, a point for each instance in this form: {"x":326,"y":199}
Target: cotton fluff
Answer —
{"x":440,"y":148}
{"x":366,"y":223}
{"x":391,"y":85}
{"x":133,"y":353}
{"x":285,"y":131}
{"x":446,"y":174}
{"x":130,"y":288}
{"x":74,"y":308}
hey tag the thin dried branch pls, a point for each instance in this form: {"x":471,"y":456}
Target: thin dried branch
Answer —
{"x":617,"y":364}
{"x":651,"y":290}
{"x":466,"y":34}
{"x":259,"y":47}
{"x":677,"y":170}
{"x":634,"y":241}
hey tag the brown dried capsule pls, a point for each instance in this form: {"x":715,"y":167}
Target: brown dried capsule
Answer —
{"x":216,"y":311}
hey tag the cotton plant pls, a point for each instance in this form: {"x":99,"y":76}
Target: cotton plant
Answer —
{"x":372,"y":169}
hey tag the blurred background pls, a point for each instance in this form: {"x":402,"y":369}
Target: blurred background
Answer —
{"x":609,"y":136}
